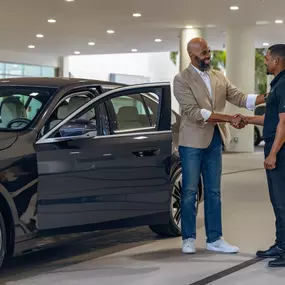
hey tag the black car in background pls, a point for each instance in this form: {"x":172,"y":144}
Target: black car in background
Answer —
{"x":82,"y":155}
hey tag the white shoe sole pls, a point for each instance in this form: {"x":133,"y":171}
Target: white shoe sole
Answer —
{"x":189,"y":251}
{"x":210,"y":248}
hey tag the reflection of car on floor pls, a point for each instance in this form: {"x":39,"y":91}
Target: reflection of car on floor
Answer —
{"x":84,"y":155}
{"x":258,"y":130}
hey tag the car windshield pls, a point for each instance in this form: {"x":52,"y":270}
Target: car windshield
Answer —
{"x":20,"y":106}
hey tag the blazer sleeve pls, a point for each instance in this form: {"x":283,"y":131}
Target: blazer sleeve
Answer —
{"x":235,"y":96}
{"x":186,"y":99}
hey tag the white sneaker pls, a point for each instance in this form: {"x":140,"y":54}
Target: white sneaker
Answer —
{"x":222,"y":246}
{"x":188,"y":245}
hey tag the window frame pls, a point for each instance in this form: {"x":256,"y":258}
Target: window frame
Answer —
{"x":112,"y":116}
{"x":162,"y":117}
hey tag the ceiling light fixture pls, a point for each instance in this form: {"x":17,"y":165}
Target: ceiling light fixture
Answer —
{"x":39,"y":36}
{"x":31,"y":46}
{"x":137,"y":15}
{"x":69,"y":0}
{"x":51,"y":20}
{"x":91,"y":43}
{"x":110,"y":32}
{"x":279,"y":21}
{"x":262,"y":23}
{"x":234,"y":8}
{"x":134,"y":50}
{"x":158,"y":40}
{"x":77,"y":52}
{"x":189,"y":27}
{"x":265,"y":44}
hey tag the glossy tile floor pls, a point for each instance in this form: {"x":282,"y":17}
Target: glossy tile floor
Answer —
{"x":137,"y":256}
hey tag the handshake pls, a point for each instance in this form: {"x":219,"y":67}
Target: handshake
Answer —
{"x":238,"y":121}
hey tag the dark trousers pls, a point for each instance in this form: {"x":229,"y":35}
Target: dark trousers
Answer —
{"x":276,"y":185}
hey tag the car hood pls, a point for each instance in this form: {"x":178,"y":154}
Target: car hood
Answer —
{"x":7,"y":139}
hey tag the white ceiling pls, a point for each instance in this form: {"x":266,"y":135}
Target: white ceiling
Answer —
{"x":82,"y":21}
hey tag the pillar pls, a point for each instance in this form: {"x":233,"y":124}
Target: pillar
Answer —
{"x":240,"y":70}
{"x":64,"y":66}
{"x":185,"y":36}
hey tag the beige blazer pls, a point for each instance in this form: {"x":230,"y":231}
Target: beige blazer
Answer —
{"x":192,"y":95}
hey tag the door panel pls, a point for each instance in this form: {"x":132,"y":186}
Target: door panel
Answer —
{"x":121,"y":179}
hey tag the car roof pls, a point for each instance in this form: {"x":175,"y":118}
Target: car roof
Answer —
{"x":56,"y":82}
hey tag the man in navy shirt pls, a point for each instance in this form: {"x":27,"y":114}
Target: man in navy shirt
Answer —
{"x":274,"y":150}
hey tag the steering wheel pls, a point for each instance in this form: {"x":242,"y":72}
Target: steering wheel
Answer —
{"x":19,"y":121}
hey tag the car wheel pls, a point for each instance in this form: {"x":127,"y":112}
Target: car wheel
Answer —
{"x":173,"y":228}
{"x":257,"y":137}
{"x":3,"y":240}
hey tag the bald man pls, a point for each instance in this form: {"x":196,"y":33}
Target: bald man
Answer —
{"x":202,"y":94}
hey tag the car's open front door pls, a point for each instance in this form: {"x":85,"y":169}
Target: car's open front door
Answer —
{"x":116,"y":176}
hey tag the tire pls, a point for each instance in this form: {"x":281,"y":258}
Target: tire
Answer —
{"x":3,"y":240}
{"x":173,"y":228}
{"x":257,"y":137}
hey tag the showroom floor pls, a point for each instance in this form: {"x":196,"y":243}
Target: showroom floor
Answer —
{"x":137,"y":256}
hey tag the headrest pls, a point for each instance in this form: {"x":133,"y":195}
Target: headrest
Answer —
{"x":76,"y":102}
{"x":128,"y":113}
{"x":12,"y":108}
{"x":62,"y":112}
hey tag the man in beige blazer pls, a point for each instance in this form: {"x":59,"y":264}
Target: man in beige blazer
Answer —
{"x":202,"y":94}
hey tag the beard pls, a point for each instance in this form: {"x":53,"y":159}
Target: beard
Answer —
{"x":268,"y":72}
{"x":202,"y":65}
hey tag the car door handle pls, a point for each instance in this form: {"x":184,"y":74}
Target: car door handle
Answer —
{"x":146,"y":152}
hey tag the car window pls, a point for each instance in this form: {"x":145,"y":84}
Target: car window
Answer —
{"x":20,"y":106}
{"x":128,"y":113}
{"x":68,"y":105}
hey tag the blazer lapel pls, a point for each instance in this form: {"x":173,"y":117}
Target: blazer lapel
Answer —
{"x":213,"y":87}
{"x":198,"y":79}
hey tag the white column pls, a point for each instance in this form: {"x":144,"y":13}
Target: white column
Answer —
{"x":269,"y":79}
{"x":63,"y":66}
{"x":185,"y":36}
{"x":240,"y":70}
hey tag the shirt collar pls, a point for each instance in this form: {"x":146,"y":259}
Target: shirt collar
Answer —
{"x":201,"y":73}
{"x":277,"y":77}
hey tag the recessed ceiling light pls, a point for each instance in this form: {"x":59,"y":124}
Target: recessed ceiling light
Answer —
{"x":262,"y":22}
{"x":158,"y":40}
{"x":265,"y":44}
{"x":40,"y":36}
{"x":31,"y":46}
{"x":189,"y":27}
{"x":91,"y":43}
{"x":137,"y":15}
{"x":110,"y":32}
{"x":279,"y":21}
{"x":77,"y":52}
{"x":51,"y":20}
{"x":134,"y":50}
{"x":234,"y":8}
{"x":69,"y":0}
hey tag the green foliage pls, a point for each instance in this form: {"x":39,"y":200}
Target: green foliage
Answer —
{"x":260,"y":72}
{"x":173,"y":57}
{"x":219,"y":60}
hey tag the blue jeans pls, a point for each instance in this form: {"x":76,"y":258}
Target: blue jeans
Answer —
{"x":207,"y":161}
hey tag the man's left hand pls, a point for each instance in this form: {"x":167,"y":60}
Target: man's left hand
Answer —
{"x":270,"y":162}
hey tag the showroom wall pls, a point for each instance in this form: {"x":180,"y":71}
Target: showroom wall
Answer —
{"x":16,"y":64}
{"x":155,"y":67}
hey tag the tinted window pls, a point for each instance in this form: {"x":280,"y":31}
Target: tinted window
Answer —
{"x":19,"y":106}
{"x":129,"y":113}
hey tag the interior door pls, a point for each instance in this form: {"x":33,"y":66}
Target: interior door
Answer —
{"x":108,"y":179}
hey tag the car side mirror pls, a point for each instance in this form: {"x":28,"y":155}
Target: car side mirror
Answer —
{"x":78,"y":128}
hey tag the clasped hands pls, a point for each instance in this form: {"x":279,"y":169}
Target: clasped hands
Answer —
{"x":238,"y":121}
